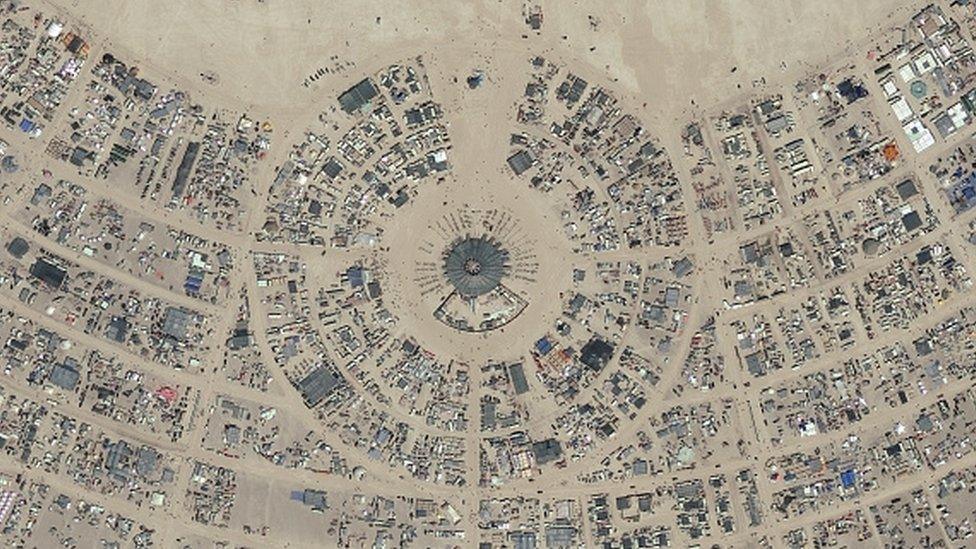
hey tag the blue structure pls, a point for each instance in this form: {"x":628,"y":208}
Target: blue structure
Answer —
{"x":543,"y":346}
{"x":847,"y":478}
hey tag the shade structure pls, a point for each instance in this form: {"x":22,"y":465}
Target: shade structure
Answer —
{"x":475,"y":265}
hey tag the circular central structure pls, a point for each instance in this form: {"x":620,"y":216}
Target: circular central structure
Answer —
{"x":475,"y":265}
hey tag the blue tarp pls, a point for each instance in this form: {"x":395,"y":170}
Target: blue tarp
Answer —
{"x":193,"y":283}
{"x":847,"y":478}
{"x":543,"y":346}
